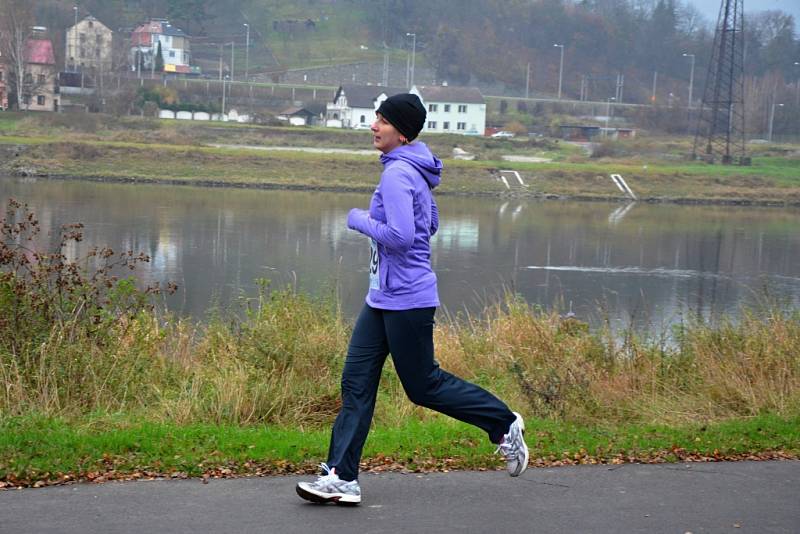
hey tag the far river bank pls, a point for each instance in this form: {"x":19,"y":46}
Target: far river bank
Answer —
{"x":130,"y":150}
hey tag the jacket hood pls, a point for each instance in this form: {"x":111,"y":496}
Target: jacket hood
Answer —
{"x":421,"y":158}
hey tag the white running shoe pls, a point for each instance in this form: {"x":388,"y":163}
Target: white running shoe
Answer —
{"x":514,"y":449}
{"x":330,"y":488}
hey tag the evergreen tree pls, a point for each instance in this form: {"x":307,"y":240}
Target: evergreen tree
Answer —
{"x":159,"y":59}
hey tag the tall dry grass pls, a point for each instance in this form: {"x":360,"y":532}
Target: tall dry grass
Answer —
{"x":281,"y":364}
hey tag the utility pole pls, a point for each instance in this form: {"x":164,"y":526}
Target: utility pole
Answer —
{"x":528,"y":81}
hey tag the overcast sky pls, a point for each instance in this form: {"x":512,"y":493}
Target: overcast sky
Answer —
{"x":710,"y":8}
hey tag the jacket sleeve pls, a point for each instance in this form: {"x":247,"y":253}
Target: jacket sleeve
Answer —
{"x":434,"y":216}
{"x":397,"y":233}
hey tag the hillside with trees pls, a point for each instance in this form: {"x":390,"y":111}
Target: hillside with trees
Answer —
{"x":498,"y":45}
{"x":474,"y":41}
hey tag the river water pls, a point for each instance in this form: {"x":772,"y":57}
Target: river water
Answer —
{"x":643,"y":264}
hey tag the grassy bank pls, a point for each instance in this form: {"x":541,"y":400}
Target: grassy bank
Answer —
{"x":38,"y":451}
{"x":176,"y":153}
{"x":145,"y":397}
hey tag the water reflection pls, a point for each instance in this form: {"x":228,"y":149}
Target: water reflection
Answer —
{"x":640,"y":263}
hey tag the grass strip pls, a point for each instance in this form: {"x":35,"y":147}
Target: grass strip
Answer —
{"x":38,"y":451}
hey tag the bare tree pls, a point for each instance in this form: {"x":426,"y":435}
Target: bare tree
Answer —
{"x":16,"y":21}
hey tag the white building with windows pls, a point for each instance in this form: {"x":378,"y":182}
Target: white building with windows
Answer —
{"x":89,"y":46}
{"x":456,"y":110}
{"x":355,"y":105}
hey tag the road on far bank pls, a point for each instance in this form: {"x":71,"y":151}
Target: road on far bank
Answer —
{"x":677,"y":498}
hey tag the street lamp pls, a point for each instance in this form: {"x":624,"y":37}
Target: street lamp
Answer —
{"x":608,"y":110}
{"x":233,"y":46}
{"x":772,"y":119}
{"x":560,"y":68}
{"x":75,"y":39}
{"x":410,"y":81}
{"x":247,"y":55}
{"x":691,"y":78}
{"x":222,"y":115}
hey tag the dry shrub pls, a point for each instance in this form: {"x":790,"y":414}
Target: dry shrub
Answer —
{"x":76,"y":122}
{"x":606,"y":149}
{"x":557,"y":368}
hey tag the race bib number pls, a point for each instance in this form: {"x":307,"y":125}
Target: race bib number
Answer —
{"x":374,"y":266}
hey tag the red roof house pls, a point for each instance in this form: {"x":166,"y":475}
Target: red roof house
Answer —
{"x":40,"y":51}
{"x":143,"y":35}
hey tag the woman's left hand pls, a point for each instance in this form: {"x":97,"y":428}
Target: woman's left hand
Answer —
{"x":356,"y":218}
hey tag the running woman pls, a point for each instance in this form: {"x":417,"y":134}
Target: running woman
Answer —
{"x":398,"y":316}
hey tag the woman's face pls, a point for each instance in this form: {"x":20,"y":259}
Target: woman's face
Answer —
{"x":385,"y":137}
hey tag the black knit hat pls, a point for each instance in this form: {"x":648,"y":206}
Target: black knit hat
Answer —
{"x":405,"y":112}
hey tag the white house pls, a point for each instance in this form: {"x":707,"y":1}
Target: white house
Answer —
{"x":458,"y":110}
{"x":355,"y":105}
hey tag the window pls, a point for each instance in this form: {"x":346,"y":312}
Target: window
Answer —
{"x":1,"y":75}
{"x":363,"y":119}
{"x":462,"y":125}
{"x":26,"y":99}
{"x":83,"y":38}
{"x":447,"y":108}
{"x":28,"y":78}
{"x":445,"y":125}
{"x":40,"y":100}
{"x":42,"y":79}
{"x":431,"y":125}
{"x":433,"y":107}
{"x":462,"y":108}
{"x":172,"y":53}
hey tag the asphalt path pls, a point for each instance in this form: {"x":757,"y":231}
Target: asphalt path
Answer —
{"x":762,"y":497}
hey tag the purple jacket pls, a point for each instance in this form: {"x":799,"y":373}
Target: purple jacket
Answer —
{"x":401,"y":219}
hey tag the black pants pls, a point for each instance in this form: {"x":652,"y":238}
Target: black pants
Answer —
{"x":408,"y":336}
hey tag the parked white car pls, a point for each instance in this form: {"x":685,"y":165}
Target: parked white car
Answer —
{"x":503,"y":134}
